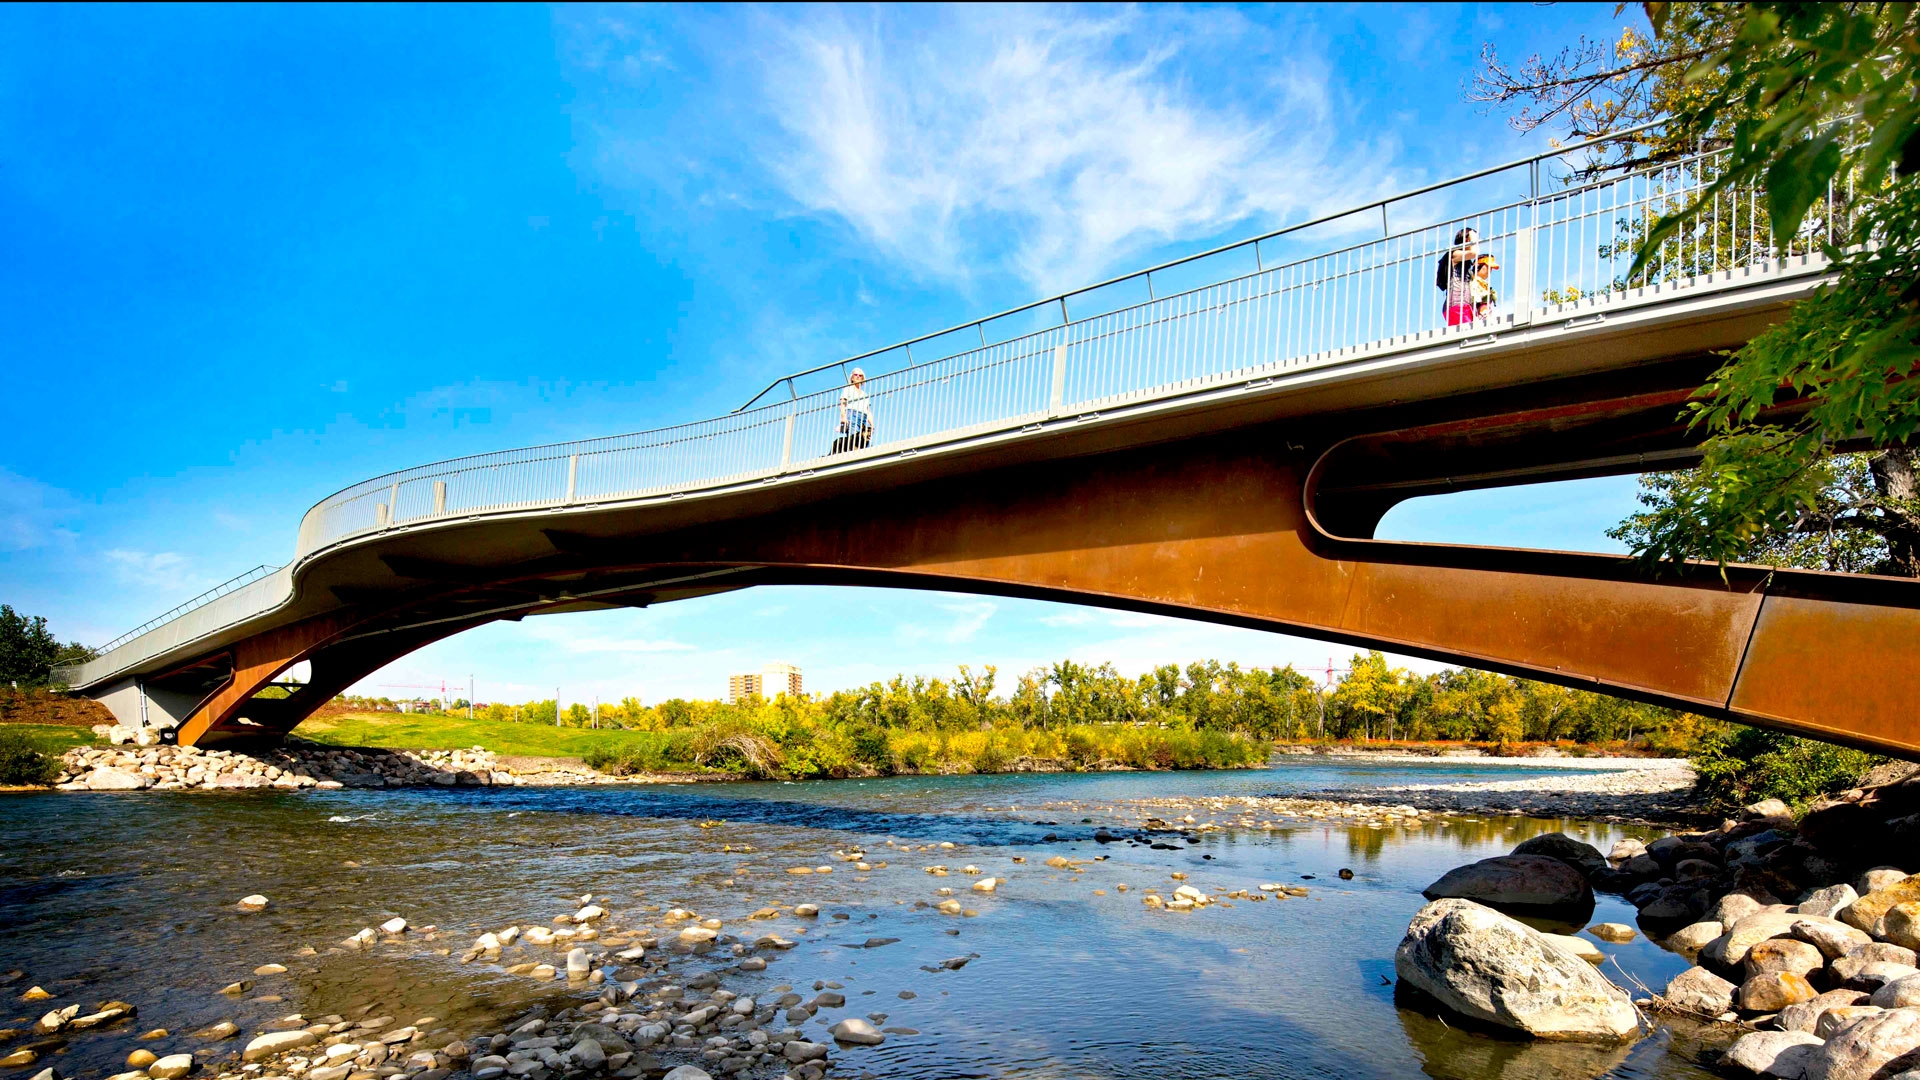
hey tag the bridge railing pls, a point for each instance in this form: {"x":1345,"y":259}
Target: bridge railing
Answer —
{"x":1251,"y":308}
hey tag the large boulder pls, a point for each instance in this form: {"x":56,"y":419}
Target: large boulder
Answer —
{"x":1690,"y":939}
{"x":1828,"y":901}
{"x":1870,"y":911}
{"x":1782,"y":1054}
{"x":1773,"y":991}
{"x":1558,"y":845}
{"x":1871,"y":1048}
{"x":1701,"y":991}
{"x":1672,"y":908}
{"x":1523,"y":884}
{"x":1728,"y":952}
{"x":1492,"y":968}
{"x":1806,"y":1015}
{"x":1784,"y":954}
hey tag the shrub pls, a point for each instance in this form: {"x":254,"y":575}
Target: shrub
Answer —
{"x":1746,"y":764}
{"x":21,"y":763}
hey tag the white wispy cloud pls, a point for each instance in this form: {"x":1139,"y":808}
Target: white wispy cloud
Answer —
{"x":158,"y":569}
{"x":1051,"y":141}
{"x":1051,"y":144}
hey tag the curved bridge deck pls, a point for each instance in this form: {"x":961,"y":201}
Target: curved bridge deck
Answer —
{"x":1222,"y":453}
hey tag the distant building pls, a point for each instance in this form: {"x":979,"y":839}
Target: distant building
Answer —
{"x":742,"y":687}
{"x":770,"y":681}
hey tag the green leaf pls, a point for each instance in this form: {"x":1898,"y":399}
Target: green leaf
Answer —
{"x":1796,"y":179}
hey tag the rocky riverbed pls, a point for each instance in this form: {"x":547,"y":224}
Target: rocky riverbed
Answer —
{"x":1802,"y":935}
{"x":292,"y":767}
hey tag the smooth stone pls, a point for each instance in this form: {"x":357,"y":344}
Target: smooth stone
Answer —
{"x":1701,"y":991}
{"x":1493,"y":968}
{"x":1558,"y":845}
{"x":1901,"y":925}
{"x":856,"y":1031}
{"x":1832,"y":937}
{"x":225,"y":1029}
{"x":1519,"y":881}
{"x":1878,"y":878}
{"x":1613,"y":931}
{"x":1868,"y":911}
{"x":1828,"y":901}
{"x":1783,"y":954}
{"x":696,"y":934}
{"x":19,"y":1059}
{"x":1862,"y":1049}
{"x":1901,"y":993}
{"x":577,"y":962}
{"x":1689,"y":940}
{"x":255,"y":902}
{"x":798,"y":1051}
{"x":1806,"y":1015}
{"x":1729,"y":950}
{"x":1838,"y":1017}
{"x":589,"y":913}
{"x":1774,"y":990}
{"x":270,"y":969}
{"x":1627,"y":849}
{"x":1760,"y":1052}
{"x":1578,"y":946}
{"x":1858,"y":973}
{"x":806,"y":911}
{"x":1731,"y":908}
{"x":394,"y":925}
{"x":275,"y":1042}
{"x":686,"y":1072}
{"x":140,"y":1059}
{"x":171,"y":1066}
{"x":116,"y":780}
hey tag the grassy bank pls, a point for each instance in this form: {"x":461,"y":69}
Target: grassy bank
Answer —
{"x":802,"y":750}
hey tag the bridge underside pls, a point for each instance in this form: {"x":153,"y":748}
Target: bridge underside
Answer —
{"x":1269,"y":527}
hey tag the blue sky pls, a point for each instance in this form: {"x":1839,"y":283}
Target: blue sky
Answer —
{"x":255,"y":254}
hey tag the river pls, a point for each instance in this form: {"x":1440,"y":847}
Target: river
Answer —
{"x":133,"y":897}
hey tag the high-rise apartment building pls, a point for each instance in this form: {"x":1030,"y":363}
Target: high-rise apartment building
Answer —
{"x":771,"y":681}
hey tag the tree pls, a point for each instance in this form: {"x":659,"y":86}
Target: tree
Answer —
{"x":29,"y":652}
{"x":1804,"y":99}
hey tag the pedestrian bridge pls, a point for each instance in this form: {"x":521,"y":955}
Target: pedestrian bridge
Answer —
{"x":1213,"y":438}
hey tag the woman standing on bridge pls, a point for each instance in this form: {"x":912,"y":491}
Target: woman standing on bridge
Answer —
{"x":856,"y":415}
{"x":1454,"y":276}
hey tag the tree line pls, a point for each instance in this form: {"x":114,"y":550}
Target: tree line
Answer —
{"x":1371,"y":701}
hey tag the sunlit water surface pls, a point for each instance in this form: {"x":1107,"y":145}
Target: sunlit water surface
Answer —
{"x":132,"y":897}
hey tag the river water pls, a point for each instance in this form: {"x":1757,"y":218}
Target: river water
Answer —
{"x":133,"y":897}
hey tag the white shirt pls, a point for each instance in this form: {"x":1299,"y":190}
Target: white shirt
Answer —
{"x":854,"y":399}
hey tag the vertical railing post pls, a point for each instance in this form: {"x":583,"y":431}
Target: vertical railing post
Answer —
{"x":786,"y":445}
{"x":1524,"y":291}
{"x":439,"y":497}
{"x":1056,"y":396}
{"x":573,"y":475}
{"x":393,"y":504}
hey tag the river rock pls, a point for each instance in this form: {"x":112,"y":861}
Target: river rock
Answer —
{"x":140,"y":1059}
{"x":1838,"y":1017}
{"x":1701,"y":991}
{"x":1858,"y":973}
{"x":686,"y":1072}
{"x":1485,"y":965}
{"x":1783,"y":1054}
{"x":1558,"y":845}
{"x":19,"y":1059}
{"x":1863,"y":1049}
{"x":1884,"y":950}
{"x":1879,"y":878}
{"x":1901,"y":925}
{"x":255,"y":902}
{"x":171,"y":1067}
{"x":1773,"y":991}
{"x":1868,"y":911}
{"x":1578,"y":946}
{"x":276,"y":1042}
{"x":856,"y":1031}
{"x":1828,"y":901}
{"x":1689,"y":940}
{"x":1901,"y":993}
{"x":1627,"y":849}
{"x":225,"y":1029}
{"x":1784,"y":954}
{"x":1729,"y":951}
{"x":799,"y":1051}
{"x":395,"y":925}
{"x":1806,"y":1015}
{"x":589,"y":913}
{"x":1673,"y":906}
{"x":1733,"y":907}
{"x":105,"y":779}
{"x":1615,"y":932}
{"x":1832,"y":937}
{"x":1527,"y":883}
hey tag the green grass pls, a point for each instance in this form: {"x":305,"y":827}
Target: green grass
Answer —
{"x":435,"y":731}
{"x":54,"y":739}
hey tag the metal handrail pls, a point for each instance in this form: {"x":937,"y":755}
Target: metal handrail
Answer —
{"x":1134,"y":275}
{"x":182,"y":608}
{"x":1572,"y":242}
